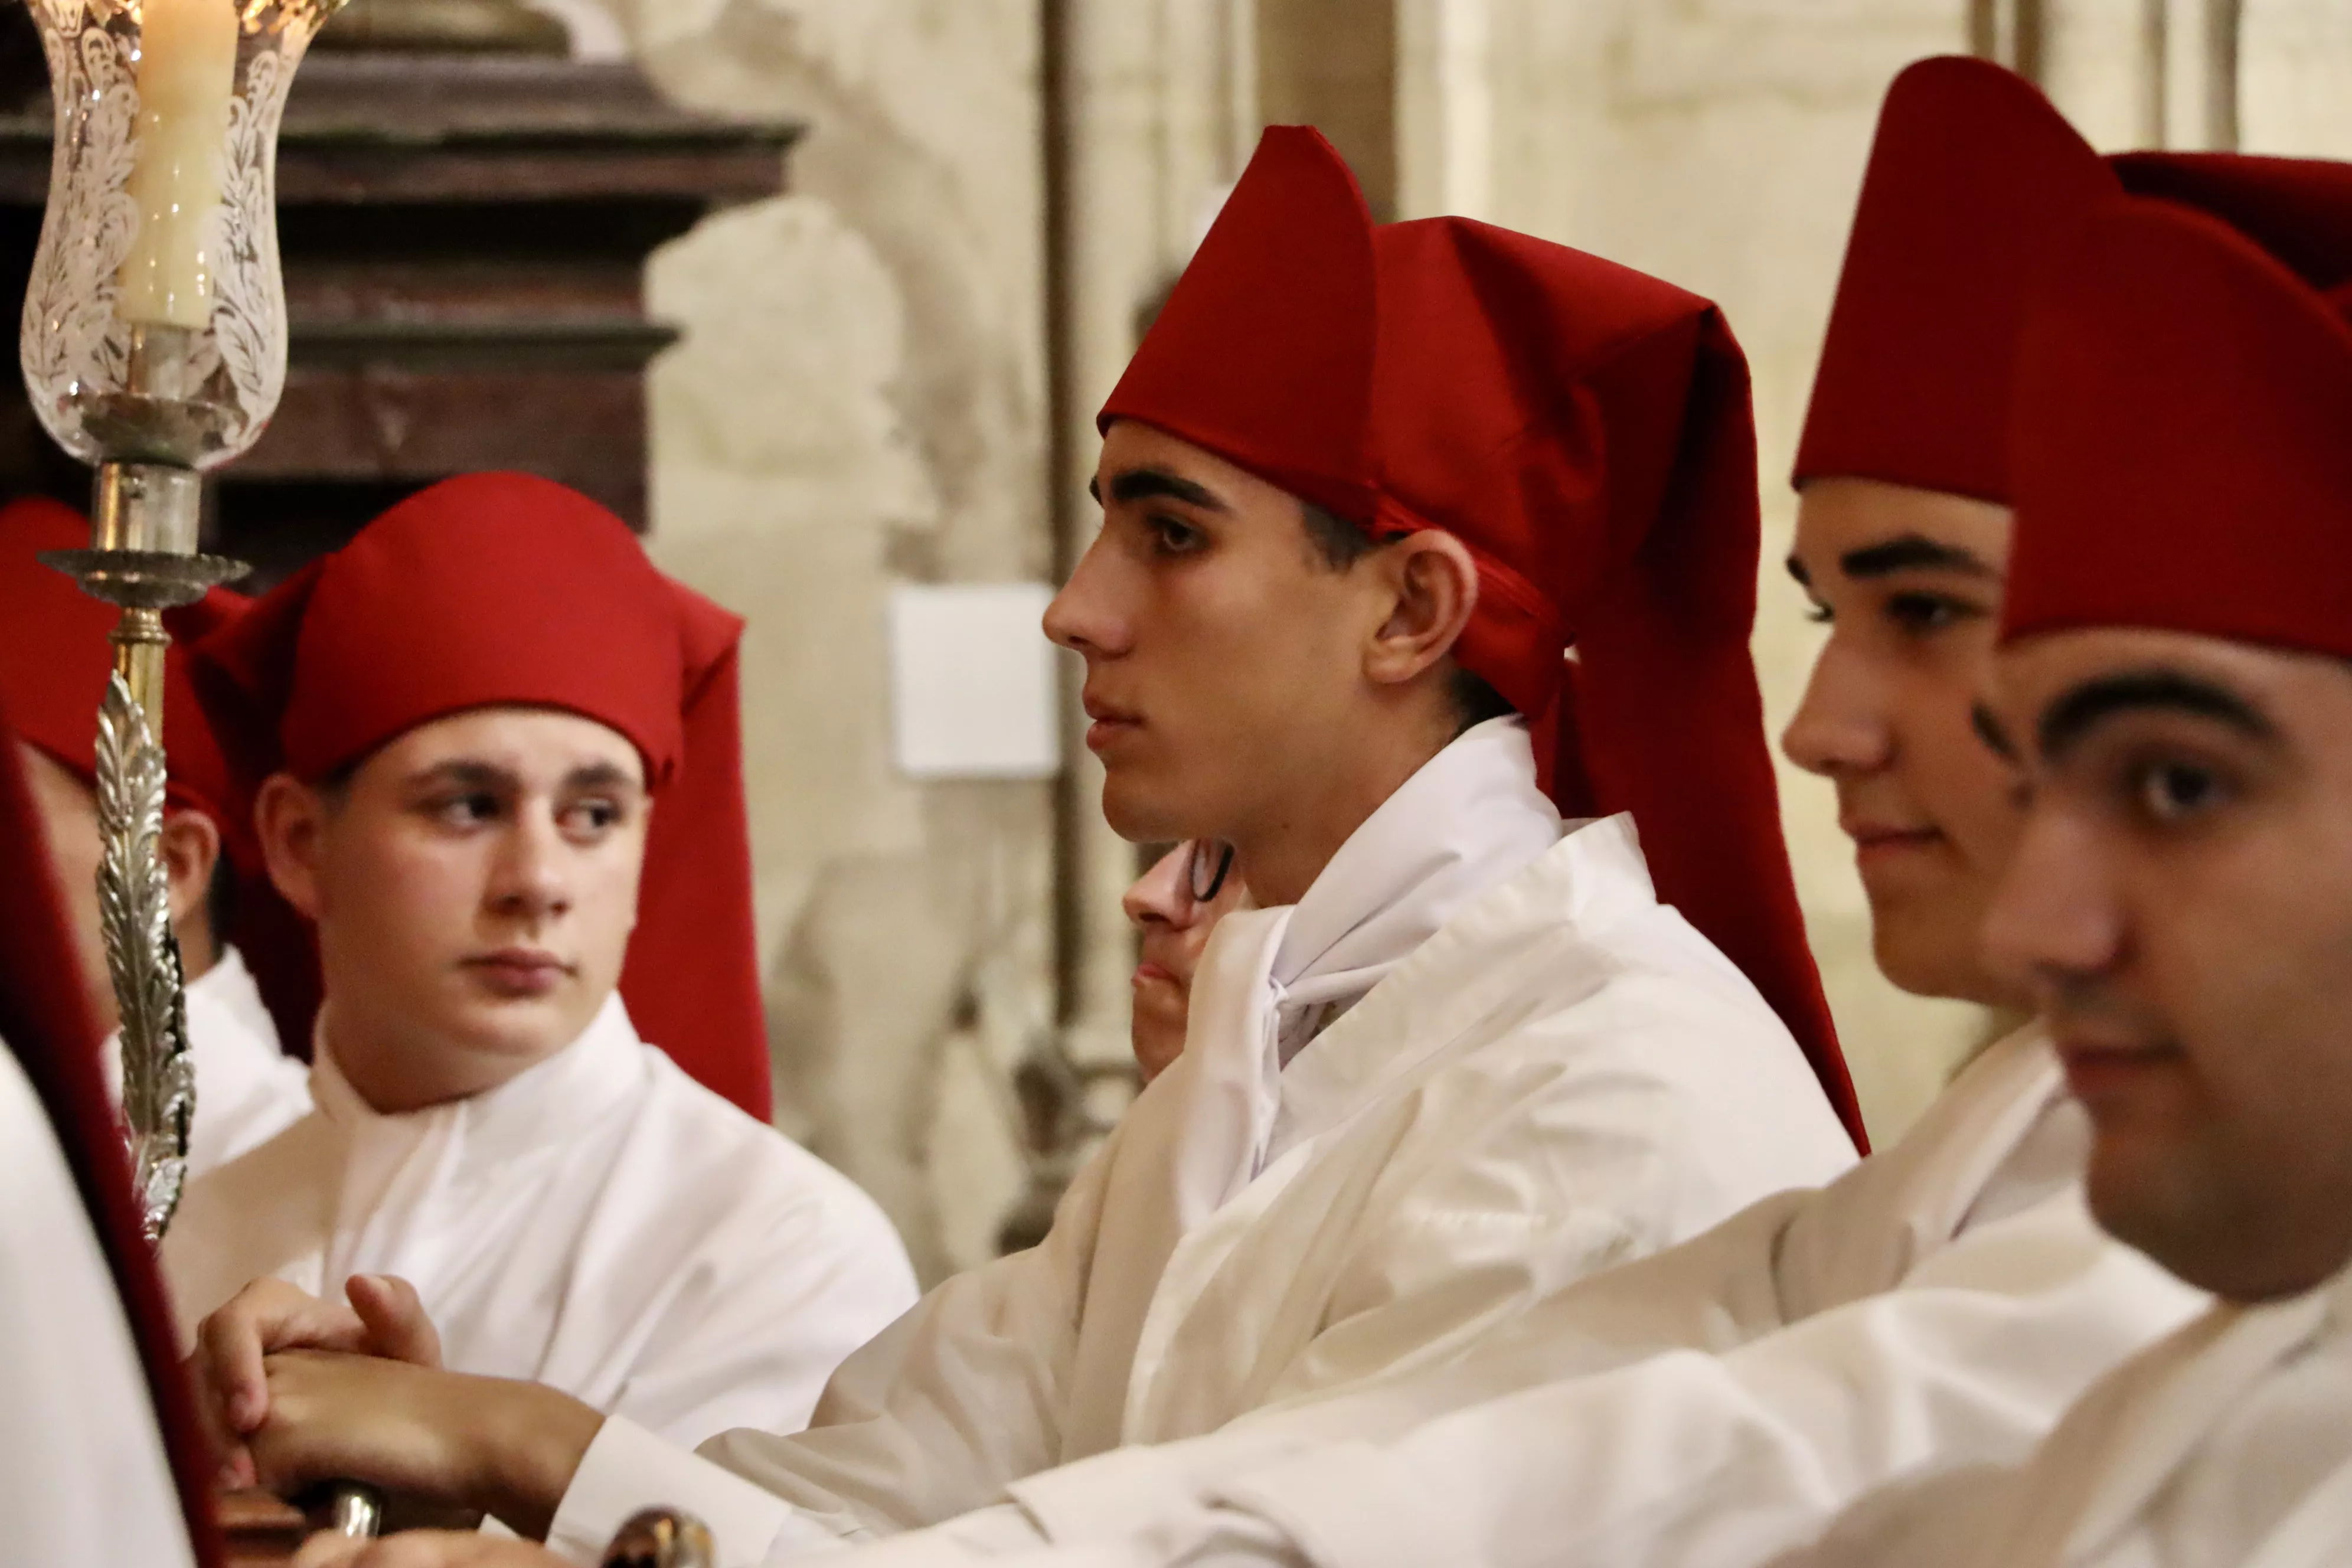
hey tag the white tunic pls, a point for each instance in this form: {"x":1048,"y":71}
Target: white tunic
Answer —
{"x":2230,"y":1443}
{"x":82,"y":1473}
{"x":247,"y":1091}
{"x":1939,"y":1307}
{"x":1564,"y":1076}
{"x":602,"y":1223}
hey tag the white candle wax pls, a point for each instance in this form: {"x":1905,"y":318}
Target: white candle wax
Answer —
{"x":187,"y":76}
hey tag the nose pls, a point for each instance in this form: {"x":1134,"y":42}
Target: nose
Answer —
{"x":2055,"y":919}
{"x":530,"y":876}
{"x":1082,"y":617}
{"x":1160,"y":895}
{"x":1840,"y":729}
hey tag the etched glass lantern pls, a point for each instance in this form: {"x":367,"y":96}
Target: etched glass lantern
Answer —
{"x":154,"y":349}
{"x":155,"y":328}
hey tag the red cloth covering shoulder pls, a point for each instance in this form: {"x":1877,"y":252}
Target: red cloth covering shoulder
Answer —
{"x":506,"y":589}
{"x":2179,"y":438}
{"x":1585,"y":430}
{"x":47,"y":1024}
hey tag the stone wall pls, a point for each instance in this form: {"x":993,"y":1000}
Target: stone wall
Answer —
{"x":2294,"y":78}
{"x":860,"y":399}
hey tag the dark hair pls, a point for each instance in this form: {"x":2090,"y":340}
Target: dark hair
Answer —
{"x":1339,"y":544}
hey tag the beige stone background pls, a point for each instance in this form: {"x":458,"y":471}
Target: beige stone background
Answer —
{"x":889,"y":376}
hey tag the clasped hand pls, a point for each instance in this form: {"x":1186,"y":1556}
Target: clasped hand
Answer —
{"x":295,"y":1391}
{"x":265,"y":1354}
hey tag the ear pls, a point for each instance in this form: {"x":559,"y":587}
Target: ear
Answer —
{"x":290,"y":817}
{"x":1433,"y":583}
{"x":191,"y":848}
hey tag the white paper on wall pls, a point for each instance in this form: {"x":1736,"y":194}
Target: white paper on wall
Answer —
{"x":972,"y":682}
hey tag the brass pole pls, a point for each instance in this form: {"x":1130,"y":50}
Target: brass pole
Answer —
{"x":140,"y":645}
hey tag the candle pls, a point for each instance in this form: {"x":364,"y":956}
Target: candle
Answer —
{"x":187,"y":76}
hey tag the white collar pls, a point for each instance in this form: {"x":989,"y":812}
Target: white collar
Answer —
{"x":550,"y":1101}
{"x":1589,"y":880}
{"x":229,"y":985}
{"x":1469,"y":820}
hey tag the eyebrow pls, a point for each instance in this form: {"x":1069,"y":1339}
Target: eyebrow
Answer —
{"x":2068,"y":721}
{"x":1989,"y":731}
{"x":1912,"y":553}
{"x":1148,"y":483}
{"x":601,"y":775}
{"x":466,"y":772}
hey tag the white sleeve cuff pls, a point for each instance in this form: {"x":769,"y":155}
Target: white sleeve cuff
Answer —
{"x":627,"y":1469}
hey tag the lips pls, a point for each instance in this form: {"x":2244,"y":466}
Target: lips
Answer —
{"x":519,"y":971}
{"x":2101,"y":1070}
{"x":1869,"y":835}
{"x":1876,"y":841}
{"x":1110,"y":722}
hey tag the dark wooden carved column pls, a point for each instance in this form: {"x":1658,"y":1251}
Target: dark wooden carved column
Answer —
{"x":465,"y":238}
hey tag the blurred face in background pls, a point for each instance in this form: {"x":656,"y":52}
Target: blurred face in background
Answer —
{"x":1172,"y":927}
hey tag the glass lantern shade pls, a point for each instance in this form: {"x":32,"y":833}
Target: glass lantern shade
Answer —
{"x":155,"y":328}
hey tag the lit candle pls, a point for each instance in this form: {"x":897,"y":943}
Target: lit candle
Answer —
{"x":187,"y":76}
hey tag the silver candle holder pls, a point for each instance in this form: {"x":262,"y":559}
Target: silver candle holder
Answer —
{"x":153,"y":347}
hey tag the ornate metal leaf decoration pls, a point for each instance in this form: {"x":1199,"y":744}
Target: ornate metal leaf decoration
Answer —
{"x":134,"y":907}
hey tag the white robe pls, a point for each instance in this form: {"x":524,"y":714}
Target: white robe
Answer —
{"x":2229,"y":1443}
{"x":83,"y":1477}
{"x":601,"y":1223}
{"x":248,"y":1090}
{"x":1939,"y":1307}
{"x":1564,"y":1076}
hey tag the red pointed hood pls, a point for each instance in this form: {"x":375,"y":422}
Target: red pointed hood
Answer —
{"x":1974,"y":180}
{"x":1585,"y":430}
{"x":1973,"y":176}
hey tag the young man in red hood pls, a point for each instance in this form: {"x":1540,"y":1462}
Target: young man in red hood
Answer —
{"x":492,"y":758}
{"x":2175,"y":686}
{"x":1527,"y":994}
